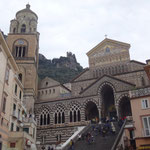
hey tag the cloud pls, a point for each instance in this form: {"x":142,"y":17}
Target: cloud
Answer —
{"x":78,"y":26}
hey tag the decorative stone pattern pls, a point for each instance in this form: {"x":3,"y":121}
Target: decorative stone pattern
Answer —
{"x":140,"y":92}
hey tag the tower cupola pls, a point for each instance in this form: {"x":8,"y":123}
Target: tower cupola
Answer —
{"x":25,"y":22}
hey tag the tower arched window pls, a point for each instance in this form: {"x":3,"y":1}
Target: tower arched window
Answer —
{"x":20,"y":48}
{"x":23,"y":28}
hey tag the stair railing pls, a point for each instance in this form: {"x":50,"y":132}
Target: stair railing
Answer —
{"x":119,"y":136}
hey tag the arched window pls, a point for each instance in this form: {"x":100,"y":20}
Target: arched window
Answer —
{"x":75,"y":116}
{"x":59,"y":118}
{"x":44,"y":119}
{"x":41,"y":120}
{"x":79,"y":117}
{"x":63,"y":117}
{"x":55,"y":118}
{"x":70,"y":116}
{"x":48,"y":119}
{"x":20,"y":48}
{"x":23,"y":28}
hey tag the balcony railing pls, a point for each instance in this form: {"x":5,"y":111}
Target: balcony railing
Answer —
{"x":14,"y":114}
{"x":146,"y":132}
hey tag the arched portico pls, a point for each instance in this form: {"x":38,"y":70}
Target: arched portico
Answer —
{"x":107,"y":100}
{"x":124,"y":107}
{"x":91,"y":111}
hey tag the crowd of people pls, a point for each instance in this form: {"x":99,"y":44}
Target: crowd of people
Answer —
{"x":103,"y":128}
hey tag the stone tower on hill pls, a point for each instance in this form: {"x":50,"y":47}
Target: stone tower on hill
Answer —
{"x":23,"y":41}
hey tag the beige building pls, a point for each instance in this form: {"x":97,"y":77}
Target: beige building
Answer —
{"x":18,"y":82}
{"x":140,"y":104}
{"x":8,"y":70}
{"x":23,"y":41}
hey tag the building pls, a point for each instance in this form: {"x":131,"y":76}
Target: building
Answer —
{"x":18,"y":82}
{"x":99,"y":91}
{"x":8,"y":70}
{"x":140,"y":102}
{"x":23,"y":41}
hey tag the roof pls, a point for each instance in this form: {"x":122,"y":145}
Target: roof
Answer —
{"x":106,"y":76}
{"x":27,"y":9}
{"x":106,"y":40}
{"x":138,"y":62}
{"x":85,"y":70}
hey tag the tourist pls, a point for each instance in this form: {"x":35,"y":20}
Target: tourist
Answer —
{"x":71,"y":145}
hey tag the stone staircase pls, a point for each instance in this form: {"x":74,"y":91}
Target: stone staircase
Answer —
{"x":100,"y":142}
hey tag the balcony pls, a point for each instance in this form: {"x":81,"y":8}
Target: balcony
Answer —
{"x":14,"y":114}
{"x":20,"y":119}
{"x":146,"y":132}
{"x":20,"y":135}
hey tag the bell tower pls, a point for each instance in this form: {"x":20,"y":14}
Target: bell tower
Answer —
{"x":23,"y":41}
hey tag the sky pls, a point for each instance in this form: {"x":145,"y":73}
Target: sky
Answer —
{"x":79,"y":25}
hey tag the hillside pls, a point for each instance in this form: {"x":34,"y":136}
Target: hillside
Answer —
{"x":62,"y":69}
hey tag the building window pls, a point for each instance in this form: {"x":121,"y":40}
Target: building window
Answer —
{"x":12,"y":145}
{"x":4,"y":105}
{"x":53,"y":90}
{"x":20,"y":95}
{"x":146,"y":125}
{"x":12,"y":126}
{"x":23,"y":28}
{"x":2,"y":121}
{"x":16,"y":89}
{"x":46,"y":83}
{"x":20,"y":51}
{"x":145,"y":104}
{"x":7,"y":74}
{"x":14,"y":107}
{"x":20,"y":77}
{"x":50,"y":91}
{"x":26,"y":130}
{"x":17,"y":129}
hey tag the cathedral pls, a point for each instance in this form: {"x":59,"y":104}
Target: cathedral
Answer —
{"x":100,"y":91}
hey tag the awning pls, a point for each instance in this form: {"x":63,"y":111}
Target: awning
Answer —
{"x":144,"y":147}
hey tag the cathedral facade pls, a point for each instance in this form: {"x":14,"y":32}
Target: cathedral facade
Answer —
{"x":100,"y":91}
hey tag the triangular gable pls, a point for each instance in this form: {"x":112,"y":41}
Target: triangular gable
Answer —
{"x":118,"y":84}
{"x":107,"y":41}
{"x":83,"y":75}
{"x":48,"y":82}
